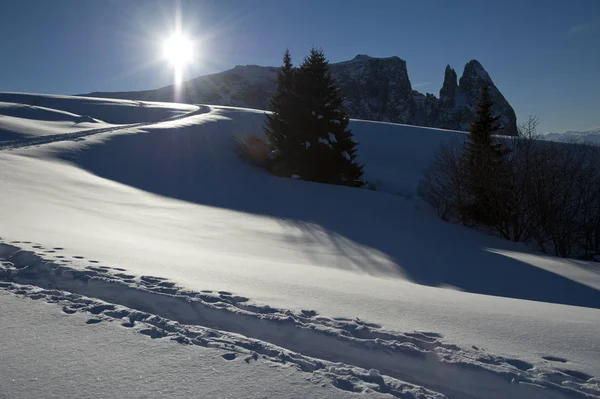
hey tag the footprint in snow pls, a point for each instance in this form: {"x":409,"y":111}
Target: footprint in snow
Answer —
{"x":229,"y":356}
{"x":577,"y":374}
{"x":308,"y":313}
{"x":555,"y":359}
{"x":152,"y":333}
{"x":123,"y":275}
{"x":520,"y":364}
{"x":93,"y":321}
{"x":151,"y":279}
{"x":100,"y":308}
{"x":128,"y":323}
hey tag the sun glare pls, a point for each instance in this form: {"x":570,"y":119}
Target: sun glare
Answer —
{"x":178,"y":50}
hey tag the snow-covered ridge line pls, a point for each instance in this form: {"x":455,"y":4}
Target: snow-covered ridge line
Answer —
{"x":420,"y":358}
{"x":33,"y":141}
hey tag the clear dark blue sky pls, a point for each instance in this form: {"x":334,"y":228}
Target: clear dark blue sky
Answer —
{"x":543,"y":55}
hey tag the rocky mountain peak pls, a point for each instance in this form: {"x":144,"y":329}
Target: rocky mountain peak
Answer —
{"x":475,"y":71}
{"x":474,"y":77}
{"x":448,"y":90}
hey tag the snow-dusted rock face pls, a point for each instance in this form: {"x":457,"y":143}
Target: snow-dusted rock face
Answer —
{"x":458,"y":101}
{"x":467,"y":96}
{"x":449,"y":87}
{"x":375,"y":89}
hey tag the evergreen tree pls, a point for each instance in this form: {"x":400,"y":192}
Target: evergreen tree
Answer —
{"x":281,"y":126}
{"x":329,"y":154}
{"x":486,"y":168}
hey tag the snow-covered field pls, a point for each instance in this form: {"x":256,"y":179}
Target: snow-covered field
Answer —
{"x":160,"y":244}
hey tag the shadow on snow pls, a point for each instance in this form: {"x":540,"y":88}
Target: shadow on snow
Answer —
{"x":375,"y":233}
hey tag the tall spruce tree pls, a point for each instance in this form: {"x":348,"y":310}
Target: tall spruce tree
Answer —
{"x":487,"y":170}
{"x":281,"y":126}
{"x":329,"y":154}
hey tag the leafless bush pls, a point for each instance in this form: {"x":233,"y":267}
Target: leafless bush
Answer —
{"x":525,"y":149}
{"x":564,"y":198}
{"x":443,"y":184}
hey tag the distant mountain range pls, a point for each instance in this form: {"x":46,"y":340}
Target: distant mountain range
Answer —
{"x":375,"y":89}
{"x":588,"y":136}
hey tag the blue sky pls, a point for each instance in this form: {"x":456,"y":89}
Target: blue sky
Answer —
{"x":544,"y":56}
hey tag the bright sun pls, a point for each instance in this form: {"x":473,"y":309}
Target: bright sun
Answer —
{"x":178,"y":50}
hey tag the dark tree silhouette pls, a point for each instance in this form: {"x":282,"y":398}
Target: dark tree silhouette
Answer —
{"x":487,"y":169}
{"x":281,"y":127}
{"x":329,"y":154}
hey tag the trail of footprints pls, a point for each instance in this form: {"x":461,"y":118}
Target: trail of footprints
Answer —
{"x":156,"y":327}
{"x":55,"y":254}
{"x":358,"y":328}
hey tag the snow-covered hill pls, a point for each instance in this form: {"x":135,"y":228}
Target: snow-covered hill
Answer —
{"x":160,"y":230}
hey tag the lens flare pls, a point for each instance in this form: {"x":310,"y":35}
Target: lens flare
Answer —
{"x":178,"y":50}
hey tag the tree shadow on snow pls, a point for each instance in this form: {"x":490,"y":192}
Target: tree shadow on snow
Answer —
{"x":370,"y":232}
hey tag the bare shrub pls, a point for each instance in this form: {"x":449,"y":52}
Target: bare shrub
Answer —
{"x":564,"y":198}
{"x":525,"y":150}
{"x":443,"y":184}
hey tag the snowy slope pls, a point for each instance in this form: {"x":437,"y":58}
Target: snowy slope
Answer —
{"x":23,"y":122}
{"x":108,"y":110}
{"x":18,"y":121}
{"x":280,"y":262}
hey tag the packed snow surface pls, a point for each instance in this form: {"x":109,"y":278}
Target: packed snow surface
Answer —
{"x":55,"y":354}
{"x":159,"y":229}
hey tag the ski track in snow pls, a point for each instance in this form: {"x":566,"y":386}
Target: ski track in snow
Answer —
{"x":76,"y":136}
{"x":353,"y":354}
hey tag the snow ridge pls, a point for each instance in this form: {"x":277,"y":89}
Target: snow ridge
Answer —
{"x":351,"y":353}
{"x":34,"y":141}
